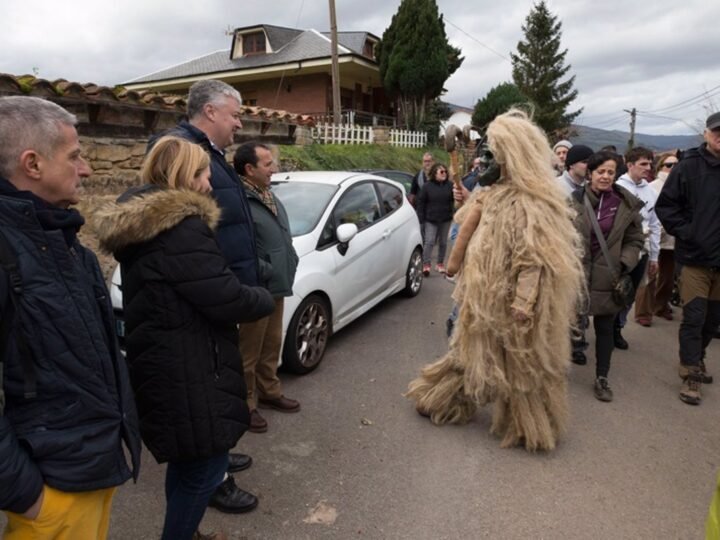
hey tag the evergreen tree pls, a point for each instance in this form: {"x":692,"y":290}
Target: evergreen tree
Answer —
{"x":416,"y":59}
{"x":538,"y":68}
{"x":497,"y":101}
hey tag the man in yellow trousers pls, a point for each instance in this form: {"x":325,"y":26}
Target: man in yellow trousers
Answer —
{"x":66,"y":406}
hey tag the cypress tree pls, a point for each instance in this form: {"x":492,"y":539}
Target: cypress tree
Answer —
{"x":539,"y":66}
{"x":416,"y":59}
{"x":497,"y":101}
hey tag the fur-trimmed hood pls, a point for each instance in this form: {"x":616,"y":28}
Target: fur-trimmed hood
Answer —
{"x":142,"y":214}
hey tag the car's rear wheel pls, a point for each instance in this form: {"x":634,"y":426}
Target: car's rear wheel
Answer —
{"x":413,"y":275}
{"x":307,"y":335}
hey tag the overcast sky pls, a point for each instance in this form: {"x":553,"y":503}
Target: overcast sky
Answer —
{"x":660,"y":57}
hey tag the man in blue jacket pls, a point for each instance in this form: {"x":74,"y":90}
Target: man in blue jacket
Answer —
{"x":68,"y":407}
{"x":214,"y":109}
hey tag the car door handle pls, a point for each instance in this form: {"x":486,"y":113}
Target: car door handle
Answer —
{"x":386,"y":233}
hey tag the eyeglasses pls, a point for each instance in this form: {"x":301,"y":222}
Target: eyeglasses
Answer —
{"x":442,"y":171}
{"x":669,"y":165}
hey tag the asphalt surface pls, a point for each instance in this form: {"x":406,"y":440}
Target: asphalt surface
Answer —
{"x":358,"y":462}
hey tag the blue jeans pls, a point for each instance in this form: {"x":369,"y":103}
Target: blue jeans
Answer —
{"x":188,"y":488}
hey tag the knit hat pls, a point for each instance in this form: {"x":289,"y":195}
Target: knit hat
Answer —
{"x":566,"y":144}
{"x":578,"y":153}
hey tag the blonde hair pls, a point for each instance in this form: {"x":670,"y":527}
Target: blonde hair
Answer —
{"x":174,"y":162}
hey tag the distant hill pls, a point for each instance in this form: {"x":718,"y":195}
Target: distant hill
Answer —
{"x":597,"y":138}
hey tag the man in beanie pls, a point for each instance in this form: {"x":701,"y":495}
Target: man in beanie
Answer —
{"x":573,"y":177}
{"x":688,"y":209}
{"x":560,"y":150}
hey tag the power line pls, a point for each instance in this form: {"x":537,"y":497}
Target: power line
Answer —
{"x":477,"y":41}
{"x":611,"y":121}
{"x":649,"y":115}
{"x":698,"y":98}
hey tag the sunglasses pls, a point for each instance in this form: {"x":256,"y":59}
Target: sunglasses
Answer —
{"x":669,"y":165}
{"x":442,"y":171}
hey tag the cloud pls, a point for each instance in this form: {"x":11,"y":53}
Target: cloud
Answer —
{"x":623,"y":54}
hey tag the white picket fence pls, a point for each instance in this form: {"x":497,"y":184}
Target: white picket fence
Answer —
{"x":408,"y":139}
{"x":342,"y":134}
{"x":327,"y":133}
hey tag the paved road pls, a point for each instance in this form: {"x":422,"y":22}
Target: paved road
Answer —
{"x":358,"y":462}
{"x":361,"y":463}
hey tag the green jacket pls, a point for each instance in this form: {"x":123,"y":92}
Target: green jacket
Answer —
{"x":277,"y":260}
{"x":624,"y":243}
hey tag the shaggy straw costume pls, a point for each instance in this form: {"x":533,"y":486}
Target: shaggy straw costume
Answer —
{"x":517,"y":251}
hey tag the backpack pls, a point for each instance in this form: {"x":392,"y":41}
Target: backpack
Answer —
{"x":12,"y":303}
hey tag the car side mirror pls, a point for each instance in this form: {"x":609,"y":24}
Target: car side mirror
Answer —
{"x":344,"y":233}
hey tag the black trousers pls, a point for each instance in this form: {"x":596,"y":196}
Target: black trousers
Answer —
{"x":700,"y":293}
{"x":604,"y":343}
{"x":604,"y":340}
{"x":636,"y":275}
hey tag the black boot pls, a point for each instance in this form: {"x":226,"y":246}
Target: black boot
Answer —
{"x":579,"y":358}
{"x":231,"y":499}
{"x":620,"y":342}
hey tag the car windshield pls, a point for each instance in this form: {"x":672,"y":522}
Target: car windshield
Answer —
{"x":305,"y":203}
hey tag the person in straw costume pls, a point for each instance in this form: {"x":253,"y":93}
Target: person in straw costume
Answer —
{"x":520,"y":281}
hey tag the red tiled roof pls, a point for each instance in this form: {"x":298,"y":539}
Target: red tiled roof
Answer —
{"x":145,"y":99}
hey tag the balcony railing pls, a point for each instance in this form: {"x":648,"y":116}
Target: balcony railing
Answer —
{"x":355,"y":117}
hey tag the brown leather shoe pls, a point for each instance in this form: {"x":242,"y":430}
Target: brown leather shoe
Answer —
{"x":281,"y":404}
{"x":257,"y":423}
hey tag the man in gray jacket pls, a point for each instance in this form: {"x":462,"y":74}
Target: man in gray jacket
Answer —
{"x":261,"y":341}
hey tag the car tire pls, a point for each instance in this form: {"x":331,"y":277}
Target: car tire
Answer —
{"x":307,"y":335}
{"x":413,"y":275}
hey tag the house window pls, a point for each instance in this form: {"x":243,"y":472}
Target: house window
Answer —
{"x":254,"y":43}
{"x":369,"y":49}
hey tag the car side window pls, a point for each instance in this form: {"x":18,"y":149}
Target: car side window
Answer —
{"x":391,"y":197}
{"x":358,"y":205}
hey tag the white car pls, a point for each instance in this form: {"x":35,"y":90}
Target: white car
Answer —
{"x":358,"y":240}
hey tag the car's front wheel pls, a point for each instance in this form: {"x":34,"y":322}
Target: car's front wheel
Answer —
{"x":307,"y":335}
{"x":413,"y":274}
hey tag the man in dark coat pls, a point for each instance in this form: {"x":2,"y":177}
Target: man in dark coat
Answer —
{"x":213,"y":120}
{"x":261,"y":341}
{"x":68,"y":403}
{"x":421,"y":177}
{"x":688,"y":209}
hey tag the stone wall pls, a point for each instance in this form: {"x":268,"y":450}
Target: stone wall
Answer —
{"x":115,"y":163}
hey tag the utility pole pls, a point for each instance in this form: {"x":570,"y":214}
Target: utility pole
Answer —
{"x":633,"y":116}
{"x":335,"y":66}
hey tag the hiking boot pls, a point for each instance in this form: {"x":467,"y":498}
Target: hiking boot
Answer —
{"x":620,"y":342}
{"x":692,"y":382}
{"x":579,"y":358}
{"x":706,"y":377}
{"x":426,"y":269}
{"x":602,"y":389}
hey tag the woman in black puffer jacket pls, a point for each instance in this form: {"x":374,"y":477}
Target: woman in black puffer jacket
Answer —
{"x":435,"y":212}
{"x":182,"y":305}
